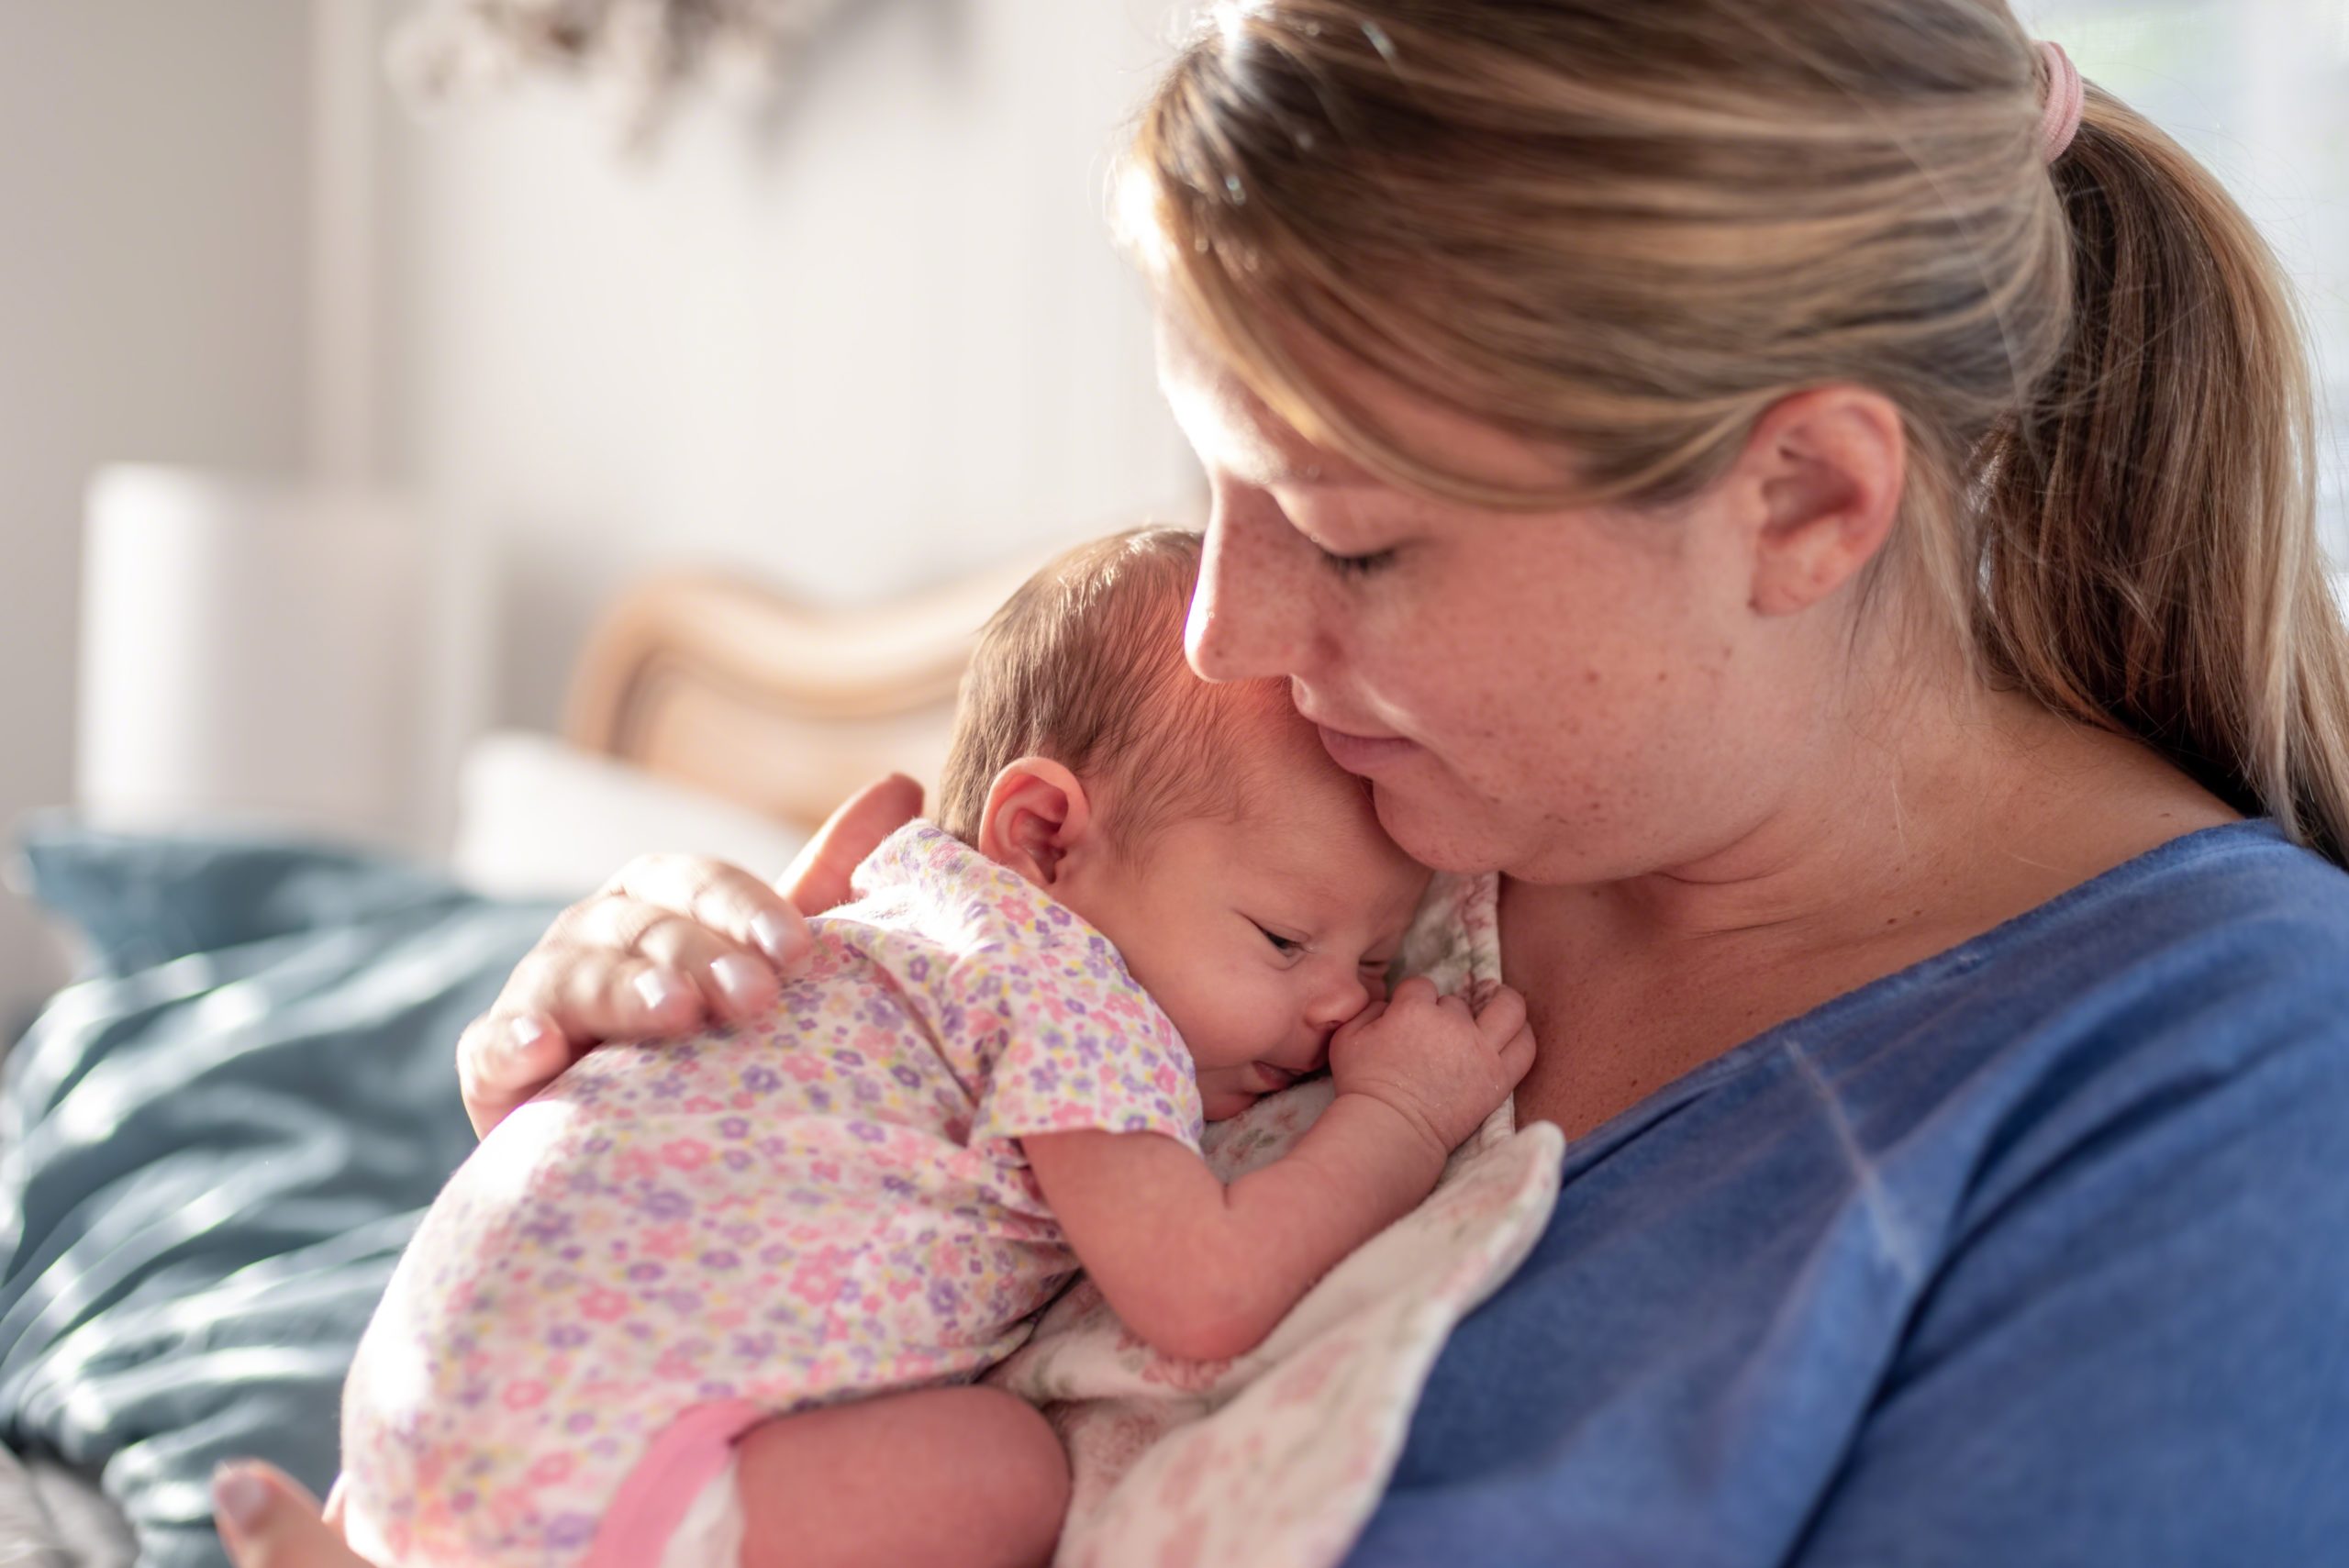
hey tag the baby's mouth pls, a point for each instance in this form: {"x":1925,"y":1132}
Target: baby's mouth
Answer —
{"x":1275,"y":1078}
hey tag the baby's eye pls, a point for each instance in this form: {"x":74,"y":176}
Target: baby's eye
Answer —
{"x":1280,"y":944}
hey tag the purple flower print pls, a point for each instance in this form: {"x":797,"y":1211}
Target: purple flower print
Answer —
{"x":734,"y":1127}
{"x":761,"y":1079}
{"x":548,"y":1227}
{"x":570,"y":1530}
{"x":566,"y":1337}
{"x":666,"y":1204}
{"x":865,"y":1132}
{"x":905,"y":1076}
{"x":645,"y":1273}
{"x":720,"y":1258}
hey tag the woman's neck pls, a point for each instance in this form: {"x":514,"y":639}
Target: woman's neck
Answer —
{"x":1926,"y":829}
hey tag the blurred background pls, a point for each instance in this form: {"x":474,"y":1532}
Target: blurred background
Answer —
{"x":455,"y":376}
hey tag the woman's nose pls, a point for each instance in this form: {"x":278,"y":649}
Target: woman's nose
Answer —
{"x":1247,"y":618}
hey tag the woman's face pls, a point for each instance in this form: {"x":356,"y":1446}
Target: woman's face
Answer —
{"x":1569,"y":696}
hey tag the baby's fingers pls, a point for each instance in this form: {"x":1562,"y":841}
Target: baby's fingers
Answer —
{"x":1418,"y":991}
{"x":1516,"y":1057}
{"x":1501,"y":1017}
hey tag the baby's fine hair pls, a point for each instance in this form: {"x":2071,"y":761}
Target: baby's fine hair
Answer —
{"x":1083,"y":664}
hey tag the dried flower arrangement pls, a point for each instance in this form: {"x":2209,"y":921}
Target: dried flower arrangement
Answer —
{"x":641,"y":55}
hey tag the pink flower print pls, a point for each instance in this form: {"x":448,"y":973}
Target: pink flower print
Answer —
{"x":1174,"y":1371}
{"x":668,"y":1241}
{"x":804,"y":1065}
{"x":550,"y":1469}
{"x":1303,"y":1381}
{"x":817,"y":1281}
{"x":604,"y":1306}
{"x":702,"y":1105}
{"x":685,"y":1153}
{"x":1181,"y":1483}
{"x":1184,"y":1543}
{"x":634,"y":1165}
{"x":524,"y":1396}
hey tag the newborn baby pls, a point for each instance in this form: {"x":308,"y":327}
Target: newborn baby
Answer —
{"x":1148,"y":900}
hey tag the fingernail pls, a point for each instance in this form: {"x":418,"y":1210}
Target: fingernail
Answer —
{"x":658,"y":988}
{"x":241,"y":1498}
{"x":774,"y":936}
{"x":526,"y":1035}
{"x":738,"y":977}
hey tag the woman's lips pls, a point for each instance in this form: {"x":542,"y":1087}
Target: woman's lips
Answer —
{"x":1365,"y":753}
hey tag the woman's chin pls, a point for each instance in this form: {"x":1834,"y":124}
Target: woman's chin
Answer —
{"x":1439,"y":829}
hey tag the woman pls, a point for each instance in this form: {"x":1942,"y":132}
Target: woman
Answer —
{"x":1821,"y":503}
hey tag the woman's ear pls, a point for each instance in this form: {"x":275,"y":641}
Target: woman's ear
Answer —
{"x":1036,"y":814}
{"x":1827,"y":466}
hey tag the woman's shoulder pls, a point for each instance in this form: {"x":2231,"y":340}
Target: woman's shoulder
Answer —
{"x":2222,"y":928}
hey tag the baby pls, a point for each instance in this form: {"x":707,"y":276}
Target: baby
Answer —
{"x":1148,"y":900}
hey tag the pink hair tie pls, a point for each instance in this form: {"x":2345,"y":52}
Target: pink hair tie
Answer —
{"x":2066,"y":99}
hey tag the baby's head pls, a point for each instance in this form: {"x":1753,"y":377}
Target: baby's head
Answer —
{"x":1241,"y":874}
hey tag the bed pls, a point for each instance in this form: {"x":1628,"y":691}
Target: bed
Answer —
{"x":214,"y":1147}
{"x":213,"y":1144}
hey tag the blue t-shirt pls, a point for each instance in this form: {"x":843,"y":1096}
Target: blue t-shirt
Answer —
{"x":2036,"y":1252}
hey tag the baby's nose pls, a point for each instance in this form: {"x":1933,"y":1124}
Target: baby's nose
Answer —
{"x":1338,"y":1000}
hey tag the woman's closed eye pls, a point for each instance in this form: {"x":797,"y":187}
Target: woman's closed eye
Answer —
{"x":1358,"y":565}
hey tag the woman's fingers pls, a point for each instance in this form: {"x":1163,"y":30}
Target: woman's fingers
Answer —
{"x":502,"y":1060}
{"x":670,"y":944}
{"x":819,"y":879}
{"x":721,"y":901}
{"x":267,"y":1520}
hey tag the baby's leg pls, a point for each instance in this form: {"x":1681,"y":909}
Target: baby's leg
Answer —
{"x":967,"y":1476}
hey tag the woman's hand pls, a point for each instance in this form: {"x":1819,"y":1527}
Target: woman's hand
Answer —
{"x":670,"y":944}
{"x":267,"y":1520}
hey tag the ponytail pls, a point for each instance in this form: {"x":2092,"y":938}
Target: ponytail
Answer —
{"x":2150,"y":558}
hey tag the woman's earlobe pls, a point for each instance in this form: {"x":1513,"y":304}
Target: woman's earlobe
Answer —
{"x":1036,"y":812}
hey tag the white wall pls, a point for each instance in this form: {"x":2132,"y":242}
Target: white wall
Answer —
{"x":152,"y":205}
{"x":873,"y":340}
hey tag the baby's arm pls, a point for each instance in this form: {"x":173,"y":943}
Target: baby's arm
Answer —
{"x":1205,"y":1271}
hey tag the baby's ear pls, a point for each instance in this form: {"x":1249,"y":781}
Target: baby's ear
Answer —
{"x":1036,"y":813}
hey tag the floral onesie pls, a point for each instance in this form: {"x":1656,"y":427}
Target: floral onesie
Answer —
{"x":673,"y":1242}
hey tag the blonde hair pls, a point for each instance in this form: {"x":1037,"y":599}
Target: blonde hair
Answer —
{"x":1083,"y":664}
{"x":1622,"y":232}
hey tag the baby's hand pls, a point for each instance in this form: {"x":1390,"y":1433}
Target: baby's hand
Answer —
{"x":1441,"y":1067}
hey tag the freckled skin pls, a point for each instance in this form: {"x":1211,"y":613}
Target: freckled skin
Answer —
{"x":1522,"y":651}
